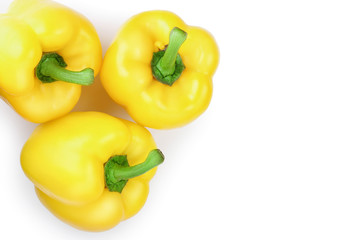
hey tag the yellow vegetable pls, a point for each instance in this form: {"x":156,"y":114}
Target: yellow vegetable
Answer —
{"x":160,"y":69}
{"x":90,"y":169}
{"x":39,"y":38}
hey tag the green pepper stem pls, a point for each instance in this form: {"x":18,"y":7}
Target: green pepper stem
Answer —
{"x":52,"y":68}
{"x":117,"y":170}
{"x":166,"y":64}
{"x":154,"y":159}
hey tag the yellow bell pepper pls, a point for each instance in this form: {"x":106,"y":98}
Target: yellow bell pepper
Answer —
{"x":160,"y":69}
{"x":91,"y":170}
{"x":39,"y":38}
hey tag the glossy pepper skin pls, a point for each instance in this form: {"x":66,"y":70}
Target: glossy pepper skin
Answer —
{"x":31,"y":29}
{"x":127,"y":73}
{"x":65,"y":158}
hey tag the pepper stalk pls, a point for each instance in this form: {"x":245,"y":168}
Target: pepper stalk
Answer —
{"x":167,"y":65}
{"x":51,"y":68}
{"x":118,"y":171}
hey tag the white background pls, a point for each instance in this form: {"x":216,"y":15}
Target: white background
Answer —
{"x":275,"y":156}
